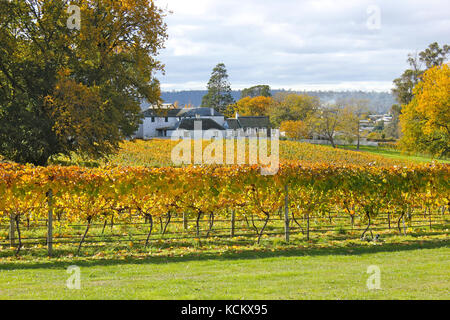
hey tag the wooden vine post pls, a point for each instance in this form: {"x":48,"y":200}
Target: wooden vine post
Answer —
{"x":185,"y":222}
{"x":286,"y":213}
{"x":12,"y":230}
{"x":233,"y":222}
{"x":50,"y":223}
{"x":404,"y":226}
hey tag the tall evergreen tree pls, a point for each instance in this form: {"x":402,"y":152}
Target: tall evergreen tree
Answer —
{"x":219,"y":90}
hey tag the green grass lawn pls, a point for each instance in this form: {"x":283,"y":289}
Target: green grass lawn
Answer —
{"x":394,"y":154}
{"x":419,"y":270}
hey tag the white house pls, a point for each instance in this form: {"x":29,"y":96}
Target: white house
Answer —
{"x":169,"y":122}
{"x":163,"y":122}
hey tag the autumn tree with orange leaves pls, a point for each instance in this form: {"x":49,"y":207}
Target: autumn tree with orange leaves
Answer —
{"x":248,"y":106}
{"x":425,"y":121}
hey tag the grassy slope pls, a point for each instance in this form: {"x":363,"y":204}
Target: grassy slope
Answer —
{"x":394,"y":154}
{"x":407,"y":272}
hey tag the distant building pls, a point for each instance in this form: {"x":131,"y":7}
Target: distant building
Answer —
{"x":169,"y":122}
{"x":386,"y":118}
{"x":374,"y":119}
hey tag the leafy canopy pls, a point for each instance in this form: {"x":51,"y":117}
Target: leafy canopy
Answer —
{"x":425,"y":120}
{"x":432,"y":56}
{"x":291,"y":106}
{"x":66,"y":90}
{"x":256,"y":91}
{"x":257,"y":106}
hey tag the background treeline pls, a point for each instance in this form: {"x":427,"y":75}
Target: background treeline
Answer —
{"x":379,"y":102}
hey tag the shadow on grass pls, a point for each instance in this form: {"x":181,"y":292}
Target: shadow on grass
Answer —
{"x":230,"y":255}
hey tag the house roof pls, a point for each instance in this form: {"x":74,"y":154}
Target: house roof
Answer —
{"x":207,"y":124}
{"x":202,"y":112}
{"x":186,"y":113}
{"x":254,"y":122}
{"x":161,"y":112}
{"x":233,"y":124}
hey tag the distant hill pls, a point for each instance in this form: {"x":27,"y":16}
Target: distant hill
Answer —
{"x":380,"y":102}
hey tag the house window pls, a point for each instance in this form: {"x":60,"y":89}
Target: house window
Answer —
{"x":166,"y":119}
{"x":153,"y":119}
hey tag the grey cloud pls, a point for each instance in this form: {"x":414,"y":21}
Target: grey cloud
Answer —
{"x":297,"y":43}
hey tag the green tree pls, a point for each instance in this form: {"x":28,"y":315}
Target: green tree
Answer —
{"x":325,"y":122}
{"x":291,"y":106}
{"x":66,"y":90}
{"x":351,"y":112}
{"x":431,"y":57}
{"x":219,"y":90}
{"x":434,"y":56}
{"x":256,"y":91}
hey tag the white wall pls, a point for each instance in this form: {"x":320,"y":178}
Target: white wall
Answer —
{"x":140,"y":133}
{"x":150,"y":128}
{"x":189,"y":134}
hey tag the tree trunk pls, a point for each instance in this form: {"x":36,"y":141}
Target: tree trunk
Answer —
{"x":332,"y":142}
{"x":389,"y":220}
{"x":185,"y":222}
{"x":358,"y":134}
{"x":12,"y":230}
{"x":18,"y":234}
{"x":161,"y":227}
{"x":307,"y":227}
{"x":233,"y":217}
{"x":104,"y":225}
{"x":399,"y":221}
{"x":260,"y":233}
{"x":197,"y":223}
{"x":297,"y":223}
{"x":150,"y":219}
{"x":368,"y":226}
{"x":169,"y":217}
{"x":211,"y":223}
{"x":84,"y":236}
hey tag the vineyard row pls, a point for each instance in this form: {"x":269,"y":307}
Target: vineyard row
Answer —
{"x":299,"y":192}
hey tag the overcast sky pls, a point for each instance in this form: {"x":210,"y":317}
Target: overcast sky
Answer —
{"x":298,"y":44}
